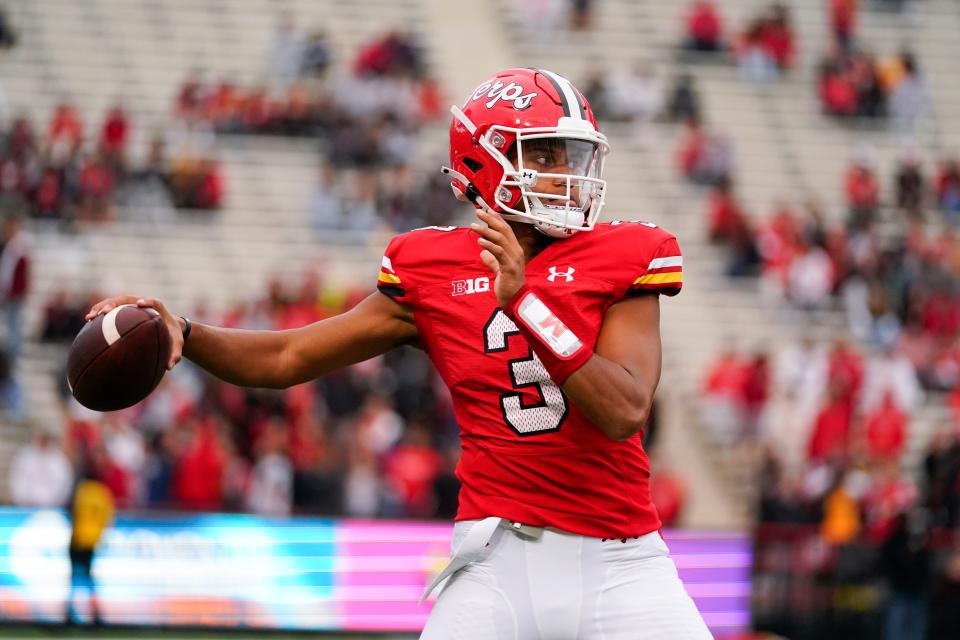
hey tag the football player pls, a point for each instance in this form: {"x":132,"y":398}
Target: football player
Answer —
{"x":544,"y":324}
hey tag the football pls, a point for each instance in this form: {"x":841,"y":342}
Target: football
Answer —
{"x":118,"y":358}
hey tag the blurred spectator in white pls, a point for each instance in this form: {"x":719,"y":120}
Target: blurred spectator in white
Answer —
{"x":810,"y":277}
{"x":755,"y":60}
{"x":801,"y":372}
{"x":910,"y":100}
{"x":126,"y":449}
{"x":284,"y":55}
{"x":800,"y":378}
{"x":378,"y":426}
{"x":767,"y":46}
{"x":15,"y":261}
{"x":316,"y":56}
{"x":360,"y":208}
{"x":891,"y":372}
{"x":326,"y":202}
{"x":635,"y":96}
{"x":363,"y":487}
{"x":40,"y":473}
{"x":270,"y":491}
{"x":704,"y":28}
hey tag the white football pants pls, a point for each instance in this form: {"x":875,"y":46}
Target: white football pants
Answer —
{"x":543,"y":584}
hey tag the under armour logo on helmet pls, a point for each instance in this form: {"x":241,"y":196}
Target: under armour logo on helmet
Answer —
{"x":554,"y":273}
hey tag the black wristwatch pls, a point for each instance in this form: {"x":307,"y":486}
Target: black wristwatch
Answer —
{"x":187,"y":325}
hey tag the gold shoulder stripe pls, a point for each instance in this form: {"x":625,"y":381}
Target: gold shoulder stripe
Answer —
{"x":388,"y":278}
{"x":660,"y":278}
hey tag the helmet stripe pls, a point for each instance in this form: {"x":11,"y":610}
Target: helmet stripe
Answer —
{"x":568,"y":95}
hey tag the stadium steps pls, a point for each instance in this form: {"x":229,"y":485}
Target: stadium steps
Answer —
{"x":96,"y":52}
{"x":785,"y":150}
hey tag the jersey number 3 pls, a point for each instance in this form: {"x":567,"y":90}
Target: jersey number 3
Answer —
{"x":527,"y":419}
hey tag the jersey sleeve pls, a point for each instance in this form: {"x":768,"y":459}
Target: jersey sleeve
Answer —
{"x":662,"y":271}
{"x":390,"y":280}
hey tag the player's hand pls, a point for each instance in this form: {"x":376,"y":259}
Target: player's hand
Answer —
{"x":174,"y":324}
{"x":501,"y":253}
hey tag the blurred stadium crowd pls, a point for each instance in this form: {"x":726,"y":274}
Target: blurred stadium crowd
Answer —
{"x":828,"y":420}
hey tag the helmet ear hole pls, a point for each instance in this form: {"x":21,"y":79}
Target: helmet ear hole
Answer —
{"x":472,"y":164}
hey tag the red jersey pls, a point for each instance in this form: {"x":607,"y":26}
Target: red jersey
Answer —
{"x":528,"y":453}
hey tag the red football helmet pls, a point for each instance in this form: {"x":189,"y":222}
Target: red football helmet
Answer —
{"x":522,"y":126}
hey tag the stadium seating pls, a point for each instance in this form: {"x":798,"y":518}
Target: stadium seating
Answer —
{"x":784,"y":148}
{"x":95,"y":52}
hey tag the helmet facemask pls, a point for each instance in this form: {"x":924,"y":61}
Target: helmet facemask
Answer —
{"x":543,"y":158}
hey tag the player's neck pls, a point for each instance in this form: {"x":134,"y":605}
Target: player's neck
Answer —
{"x":531,"y":240}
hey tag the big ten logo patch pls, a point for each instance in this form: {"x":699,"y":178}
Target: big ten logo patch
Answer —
{"x":470,"y":285}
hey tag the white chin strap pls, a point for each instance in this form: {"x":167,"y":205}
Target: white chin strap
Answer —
{"x":574,"y":217}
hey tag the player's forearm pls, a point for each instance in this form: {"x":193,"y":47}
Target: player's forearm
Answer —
{"x":610,"y":396}
{"x":279,"y":359}
{"x":238,"y":356}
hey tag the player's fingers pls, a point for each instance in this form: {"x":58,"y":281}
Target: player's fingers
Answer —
{"x":107,"y":304}
{"x":176,"y":354}
{"x":490,"y":261}
{"x":499,"y":252}
{"x":490,"y":234}
{"x":152,"y":303}
{"x":495,"y":221}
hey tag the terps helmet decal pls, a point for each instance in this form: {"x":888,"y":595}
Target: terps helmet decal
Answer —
{"x":498,"y":91}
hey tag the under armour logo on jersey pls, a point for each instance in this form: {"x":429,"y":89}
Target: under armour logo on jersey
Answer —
{"x":556,"y":273}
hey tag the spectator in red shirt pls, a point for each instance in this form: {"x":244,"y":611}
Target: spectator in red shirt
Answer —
{"x":777,"y":36}
{"x":838,"y":94}
{"x":48,"y":198}
{"x":722,"y":407}
{"x":947,"y":186}
{"x":829,"y":439}
{"x":198,"y":475}
{"x":411,"y":469}
{"x":723,"y":212}
{"x":755,"y":392}
{"x":65,"y":132}
{"x":209,"y":194}
{"x":704,"y":28}
{"x":190,"y":98}
{"x":886,"y":430}
{"x":845,"y":372}
{"x":114,"y":136}
{"x":96,"y":189}
{"x":843,"y":20}
{"x":863,"y":194}
{"x":668,"y":492}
